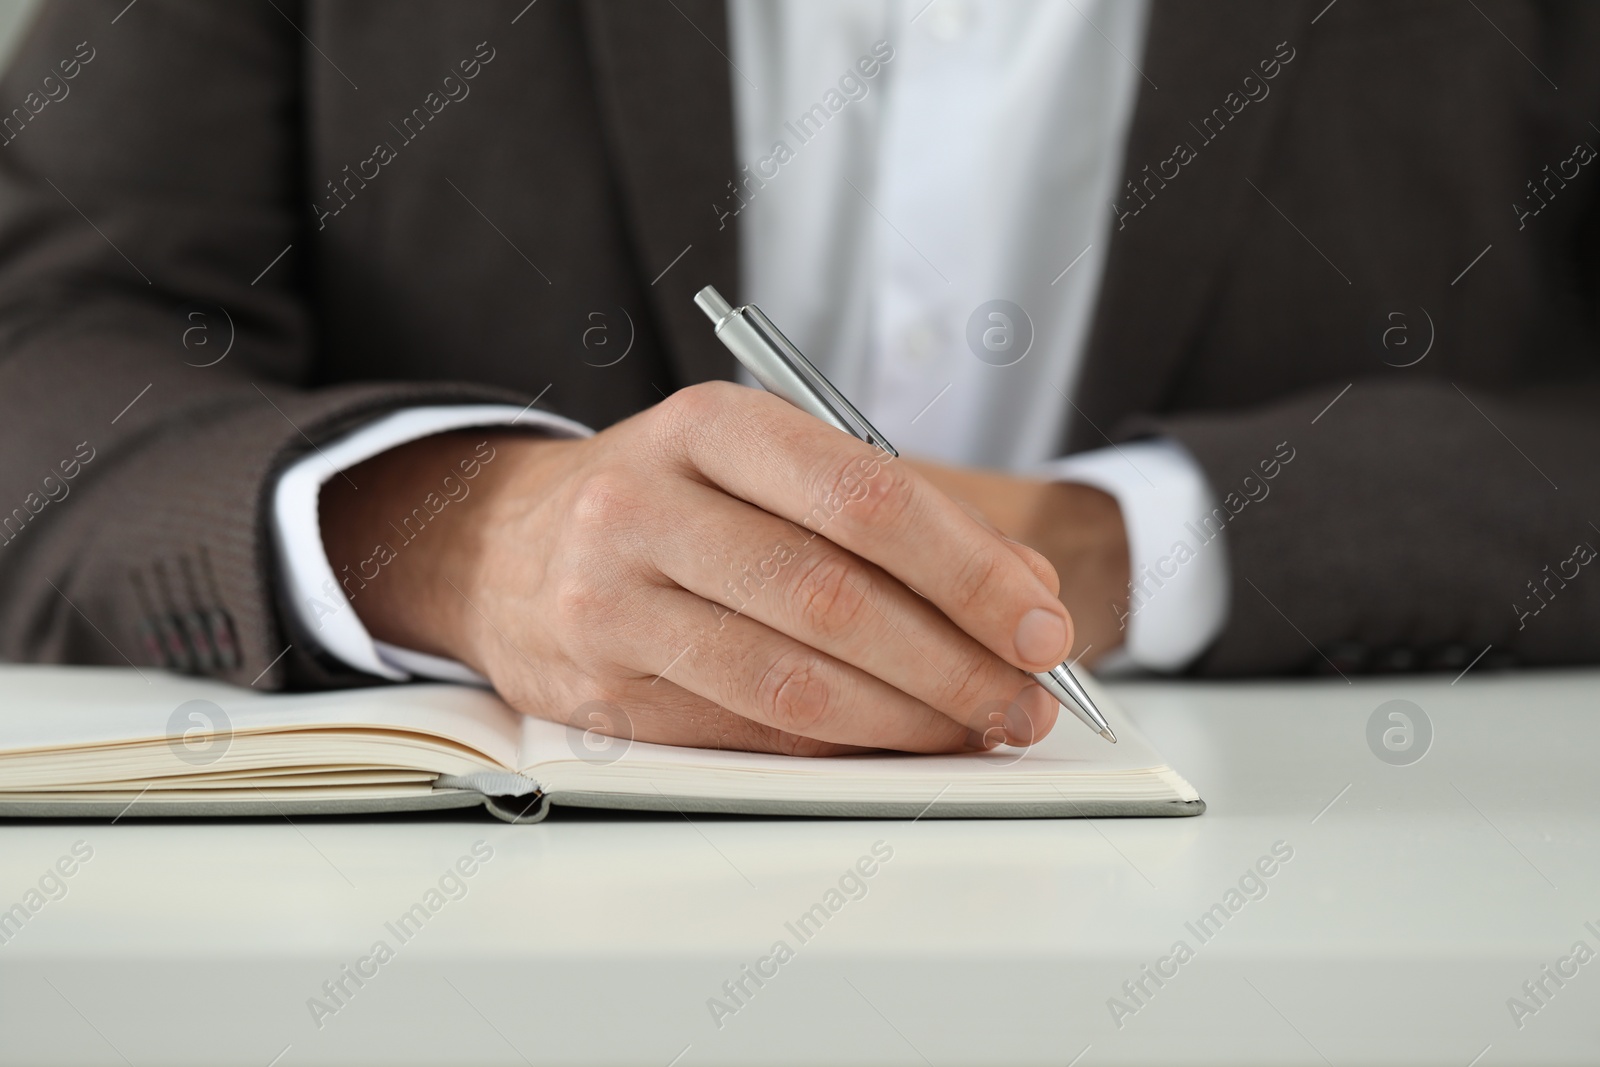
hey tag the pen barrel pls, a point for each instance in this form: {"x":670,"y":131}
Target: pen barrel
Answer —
{"x":782,"y":369}
{"x":745,"y":340}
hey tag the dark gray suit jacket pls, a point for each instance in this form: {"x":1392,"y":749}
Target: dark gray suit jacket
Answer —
{"x":183,"y":177}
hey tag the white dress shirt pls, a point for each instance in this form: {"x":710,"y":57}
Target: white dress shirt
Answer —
{"x":923,"y":206}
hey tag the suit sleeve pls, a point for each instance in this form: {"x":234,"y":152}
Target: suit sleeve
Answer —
{"x":156,"y":343}
{"x":1405,"y":525}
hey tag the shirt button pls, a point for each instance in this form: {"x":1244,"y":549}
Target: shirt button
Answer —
{"x":920,"y":345}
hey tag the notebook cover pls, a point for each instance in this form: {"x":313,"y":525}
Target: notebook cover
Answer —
{"x":1043,"y":809}
{"x":536,"y":806}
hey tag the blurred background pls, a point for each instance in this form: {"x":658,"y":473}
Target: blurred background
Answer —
{"x":14,"y":16}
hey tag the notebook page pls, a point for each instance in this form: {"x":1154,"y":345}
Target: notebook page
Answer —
{"x":55,"y":708}
{"x":1071,"y":748}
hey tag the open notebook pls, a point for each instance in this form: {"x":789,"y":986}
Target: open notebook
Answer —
{"x":113,"y":742}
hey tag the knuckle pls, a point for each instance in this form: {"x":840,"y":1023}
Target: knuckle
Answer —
{"x":580,"y":601}
{"x":794,"y":693}
{"x":871,"y":492}
{"x":606,"y":497}
{"x":888,"y":494}
{"x":682,"y":427}
{"x":971,"y":681}
{"x":1042,"y":568}
{"x":974,"y":580}
{"x":689,"y":409}
{"x":826,"y":595}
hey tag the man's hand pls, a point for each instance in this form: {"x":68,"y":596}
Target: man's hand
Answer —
{"x":1077,"y":528}
{"x":724,"y":571}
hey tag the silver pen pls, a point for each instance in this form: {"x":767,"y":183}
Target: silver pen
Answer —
{"x":783,"y":370}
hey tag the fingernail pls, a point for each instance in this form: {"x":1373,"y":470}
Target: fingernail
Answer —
{"x":1041,"y":637}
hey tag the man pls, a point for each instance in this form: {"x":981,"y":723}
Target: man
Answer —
{"x":1269,"y":327}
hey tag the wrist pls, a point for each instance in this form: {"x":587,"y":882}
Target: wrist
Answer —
{"x":403,"y":530}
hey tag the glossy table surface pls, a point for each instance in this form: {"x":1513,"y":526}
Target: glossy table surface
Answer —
{"x":1331,"y":907}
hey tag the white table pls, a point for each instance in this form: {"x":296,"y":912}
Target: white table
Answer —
{"x":1418,"y":900}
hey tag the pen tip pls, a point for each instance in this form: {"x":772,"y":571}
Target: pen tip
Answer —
{"x":1108,"y":735}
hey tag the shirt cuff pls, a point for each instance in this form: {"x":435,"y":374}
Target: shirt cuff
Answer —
{"x":1178,"y":562}
{"x":319,"y":603}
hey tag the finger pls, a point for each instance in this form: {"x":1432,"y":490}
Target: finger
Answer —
{"x":1036,"y":561}
{"x":805,"y":586}
{"x":1041,"y":567}
{"x":769,"y":678}
{"x":659,"y":712}
{"x":762,"y":450}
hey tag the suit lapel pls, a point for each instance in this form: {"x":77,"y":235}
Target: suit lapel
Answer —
{"x":667,"y":103}
{"x":1170,"y":240}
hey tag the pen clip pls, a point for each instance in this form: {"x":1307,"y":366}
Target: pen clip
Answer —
{"x":852,"y":420}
